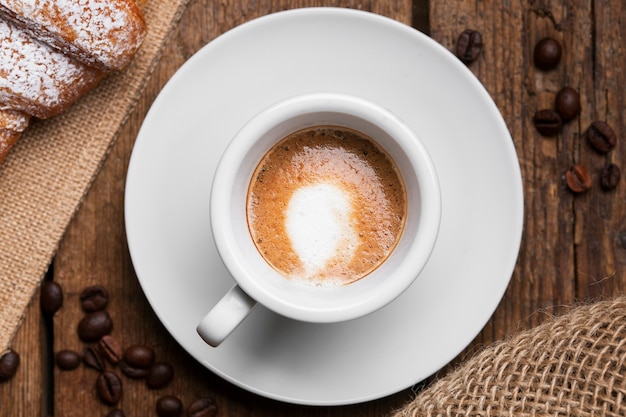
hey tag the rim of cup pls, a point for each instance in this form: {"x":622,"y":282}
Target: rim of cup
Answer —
{"x":302,"y":301}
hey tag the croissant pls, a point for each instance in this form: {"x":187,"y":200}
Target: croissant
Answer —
{"x":53,"y":51}
{"x":104,"y":34}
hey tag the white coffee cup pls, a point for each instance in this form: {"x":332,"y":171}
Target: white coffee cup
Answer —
{"x":255,"y":280}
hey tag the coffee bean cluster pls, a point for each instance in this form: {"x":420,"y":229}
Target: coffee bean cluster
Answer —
{"x":106,"y":355}
{"x":549,"y":122}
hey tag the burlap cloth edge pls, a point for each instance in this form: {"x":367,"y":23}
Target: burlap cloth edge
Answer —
{"x":48,"y":173}
{"x":571,"y":365}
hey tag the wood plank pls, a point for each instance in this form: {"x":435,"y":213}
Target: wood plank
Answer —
{"x":22,"y":395}
{"x":94,"y":251}
{"x":600,"y":216}
{"x":574,"y":246}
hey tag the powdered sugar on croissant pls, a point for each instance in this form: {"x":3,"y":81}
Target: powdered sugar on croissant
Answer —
{"x":53,"y":51}
{"x":37,"y":79}
{"x":101,"y":33}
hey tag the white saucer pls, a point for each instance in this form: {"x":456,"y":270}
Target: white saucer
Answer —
{"x":307,"y":50}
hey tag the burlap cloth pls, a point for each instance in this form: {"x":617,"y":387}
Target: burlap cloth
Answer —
{"x":573,"y":365}
{"x":46,"y":175}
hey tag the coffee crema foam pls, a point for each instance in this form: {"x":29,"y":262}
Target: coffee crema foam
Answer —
{"x":326,"y":206}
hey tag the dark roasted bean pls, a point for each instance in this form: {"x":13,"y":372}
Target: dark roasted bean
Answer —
{"x":139,"y":356}
{"x":92,"y":359}
{"x":547,"y":53}
{"x":601,"y":136}
{"x":9,"y":362}
{"x":67,"y":359}
{"x":567,"y":103}
{"x":94,"y":325}
{"x":111,"y":349}
{"x":578,"y":179}
{"x":610,"y":176}
{"x":468,"y":45}
{"x":159,"y":375}
{"x":51,"y":297}
{"x":547,"y":122}
{"x":202,"y":407}
{"x":94,"y":298}
{"x":109,"y":387}
{"x":169,"y":406}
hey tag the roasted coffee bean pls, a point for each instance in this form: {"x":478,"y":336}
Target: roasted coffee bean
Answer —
{"x":94,"y":298}
{"x":578,"y":179}
{"x":92,"y":359}
{"x":609,"y":177}
{"x":51,"y":297}
{"x":468,"y":45}
{"x":9,"y":362}
{"x":116,"y":413}
{"x":139,"y":356}
{"x":94,"y":325}
{"x":111,"y":349}
{"x":547,"y":53}
{"x":109,"y":387}
{"x":202,"y":407}
{"x":67,"y":359}
{"x":159,"y":375}
{"x":547,"y":122}
{"x":601,"y":136}
{"x":567,"y":103}
{"x":169,"y":406}
{"x":131,"y":371}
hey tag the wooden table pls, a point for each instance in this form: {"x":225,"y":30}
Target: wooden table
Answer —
{"x":573,"y":248}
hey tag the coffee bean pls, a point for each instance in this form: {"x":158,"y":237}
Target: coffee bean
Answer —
{"x":547,"y":122}
{"x":609,"y":177}
{"x":111,"y":349}
{"x":109,"y":387}
{"x":94,"y":298}
{"x":92,"y":359}
{"x":94,"y":325}
{"x":139,"y":356}
{"x":567,"y":103}
{"x":159,"y":375}
{"x":578,"y":179}
{"x":9,"y":362}
{"x":67,"y":359}
{"x":169,"y":406}
{"x":202,"y":407}
{"x":116,"y":413}
{"x":51,"y":297}
{"x":468,"y":45}
{"x":547,"y":53}
{"x":601,"y":136}
{"x":131,"y":371}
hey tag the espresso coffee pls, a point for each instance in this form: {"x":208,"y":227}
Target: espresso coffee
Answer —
{"x":326,"y":205}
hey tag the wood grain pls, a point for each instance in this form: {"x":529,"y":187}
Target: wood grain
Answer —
{"x":26,"y":393}
{"x":573,"y":248}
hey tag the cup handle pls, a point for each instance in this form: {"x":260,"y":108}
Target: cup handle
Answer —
{"x":227,"y":314}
